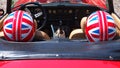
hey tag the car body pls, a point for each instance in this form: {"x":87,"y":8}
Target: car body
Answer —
{"x":61,"y":52}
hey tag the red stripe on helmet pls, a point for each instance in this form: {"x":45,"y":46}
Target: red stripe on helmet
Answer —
{"x":105,"y":31}
{"x":92,"y":26}
{"x":100,"y":25}
{"x":8,"y":21}
{"x":88,"y":35}
{"x":19,"y":24}
{"x":14,"y":25}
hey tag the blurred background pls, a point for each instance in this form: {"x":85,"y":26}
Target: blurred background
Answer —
{"x":116,"y":4}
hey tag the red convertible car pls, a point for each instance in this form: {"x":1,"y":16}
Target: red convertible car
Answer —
{"x":59,"y":52}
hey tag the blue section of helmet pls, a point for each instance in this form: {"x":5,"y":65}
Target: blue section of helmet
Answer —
{"x":27,"y":16}
{"x":9,"y":26}
{"x":24,"y":26}
{"x":95,"y":18}
{"x":96,"y":31}
{"x":110,"y":30}
{"x":108,"y":17}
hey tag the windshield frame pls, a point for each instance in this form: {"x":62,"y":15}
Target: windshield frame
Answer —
{"x":109,"y":4}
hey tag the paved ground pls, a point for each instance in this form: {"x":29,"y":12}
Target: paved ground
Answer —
{"x":2,"y":4}
{"x":117,"y":6}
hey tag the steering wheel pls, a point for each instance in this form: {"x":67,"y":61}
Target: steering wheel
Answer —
{"x":37,"y":12}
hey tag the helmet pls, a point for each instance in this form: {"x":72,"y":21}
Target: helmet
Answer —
{"x":19,"y":26}
{"x":100,"y":26}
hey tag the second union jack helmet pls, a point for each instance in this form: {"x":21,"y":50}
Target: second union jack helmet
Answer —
{"x":19,"y":26}
{"x":100,"y":26}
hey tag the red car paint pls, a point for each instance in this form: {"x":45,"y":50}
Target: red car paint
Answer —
{"x":26,"y":1}
{"x":100,"y":3}
{"x":59,"y":64}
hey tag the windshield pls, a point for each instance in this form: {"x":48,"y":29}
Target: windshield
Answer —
{"x":98,"y":3}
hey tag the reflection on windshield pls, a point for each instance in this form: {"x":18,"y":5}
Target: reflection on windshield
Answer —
{"x":99,"y":3}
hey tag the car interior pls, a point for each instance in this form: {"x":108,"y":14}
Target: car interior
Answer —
{"x":62,"y":15}
{"x":65,"y":16}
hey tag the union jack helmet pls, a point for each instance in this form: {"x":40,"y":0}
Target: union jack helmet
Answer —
{"x":19,"y":27}
{"x":100,"y":26}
